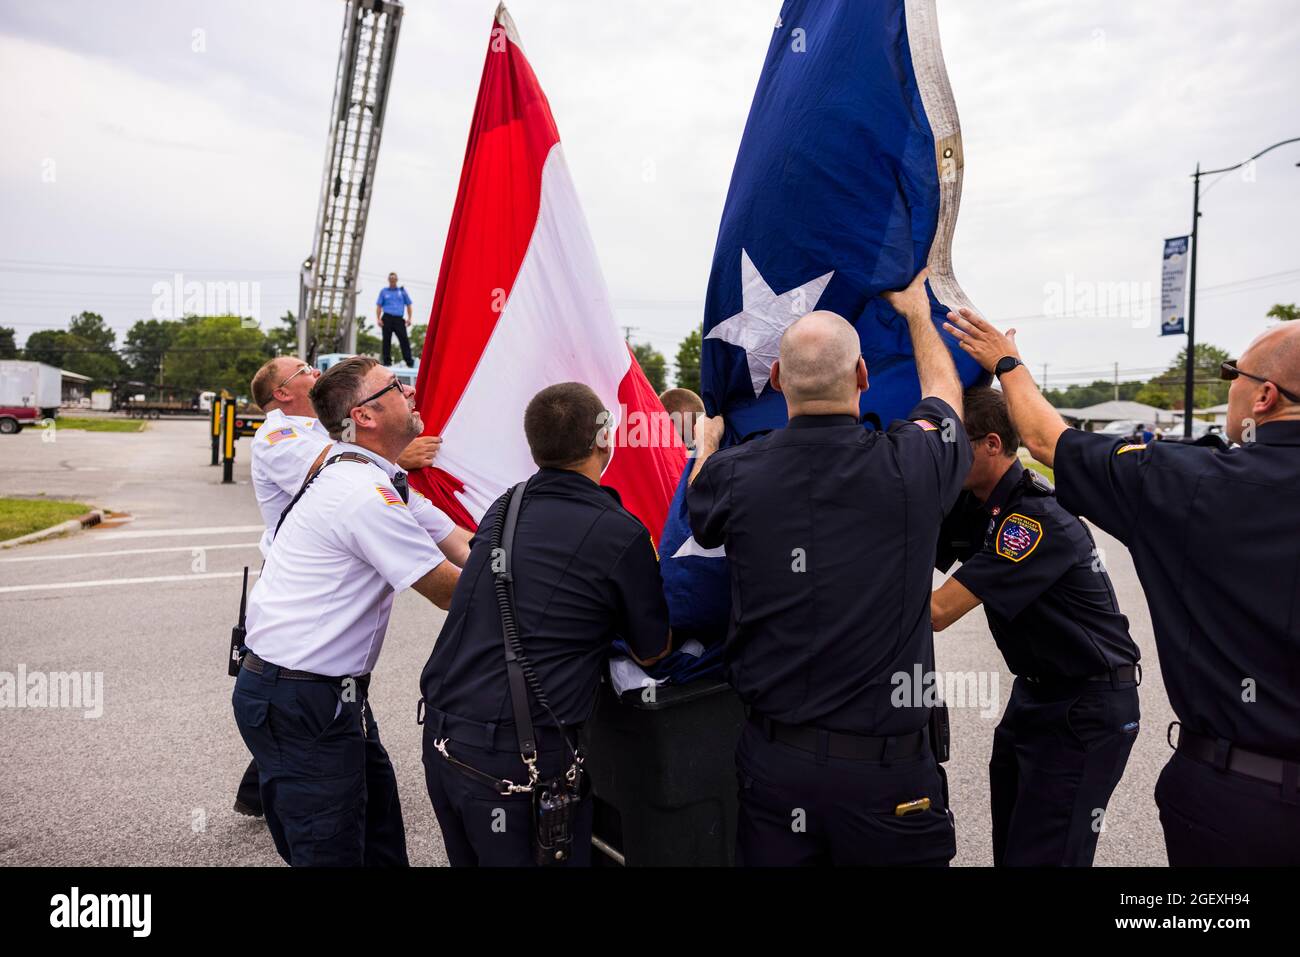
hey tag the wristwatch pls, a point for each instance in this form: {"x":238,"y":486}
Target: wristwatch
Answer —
{"x":1005,"y":365}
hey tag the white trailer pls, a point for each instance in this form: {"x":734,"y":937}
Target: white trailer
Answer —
{"x":31,"y":385}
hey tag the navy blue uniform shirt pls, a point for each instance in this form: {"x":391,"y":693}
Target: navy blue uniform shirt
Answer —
{"x":829,"y":530}
{"x":585,"y":572}
{"x":1215,"y":536}
{"x":1046,"y":594}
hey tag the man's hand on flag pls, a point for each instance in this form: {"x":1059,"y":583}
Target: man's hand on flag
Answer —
{"x":420,"y":453}
{"x":912,"y":302}
{"x":978,"y":337}
{"x":708,"y":432}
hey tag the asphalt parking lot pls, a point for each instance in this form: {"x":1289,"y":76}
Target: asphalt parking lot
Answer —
{"x":149,"y":605}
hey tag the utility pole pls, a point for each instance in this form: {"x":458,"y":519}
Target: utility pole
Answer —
{"x":627,"y":333}
{"x":1116,"y":381}
{"x":1189,"y":380}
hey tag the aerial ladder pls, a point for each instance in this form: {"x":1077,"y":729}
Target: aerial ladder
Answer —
{"x":327,"y":287}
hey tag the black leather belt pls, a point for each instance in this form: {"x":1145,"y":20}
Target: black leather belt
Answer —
{"x":1125,"y":676}
{"x":835,"y":744}
{"x":1226,"y":756}
{"x":489,"y":737}
{"x":258,"y":665}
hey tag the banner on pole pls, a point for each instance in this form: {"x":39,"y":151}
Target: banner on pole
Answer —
{"x":1173,"y":287}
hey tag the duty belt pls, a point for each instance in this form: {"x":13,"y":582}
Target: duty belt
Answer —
{"x":258,"y":665}
{"x":1226,"y":756}
{"x":836,"y":744}
{"x":1125,"y":676}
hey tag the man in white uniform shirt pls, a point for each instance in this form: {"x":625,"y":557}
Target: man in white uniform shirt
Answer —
{"x":316,"y":623}
{"x":288,"y":444}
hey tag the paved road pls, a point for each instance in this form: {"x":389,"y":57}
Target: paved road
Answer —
{"x":149,"y":604}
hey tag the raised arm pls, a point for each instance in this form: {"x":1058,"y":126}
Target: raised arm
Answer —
{"x":1039,"y":425}
{"x":934,"y":366}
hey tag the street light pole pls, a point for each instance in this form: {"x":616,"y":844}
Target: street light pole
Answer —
{"x":1189,"y":384}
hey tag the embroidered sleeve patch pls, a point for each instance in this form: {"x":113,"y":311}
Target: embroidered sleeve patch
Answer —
{"x":279,"y":435}
{"x":389,"y":496}
{"x":1135,"y":447}
{"x":1018,"y":536}
{"x":926,"y":425}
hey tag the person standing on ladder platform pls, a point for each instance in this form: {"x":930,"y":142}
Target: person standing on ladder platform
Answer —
{"x":388,"y":311}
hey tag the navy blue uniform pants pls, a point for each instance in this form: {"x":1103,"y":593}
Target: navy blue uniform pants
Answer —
{"x":1214,"y":818}
{"x":796,"y":810}
{"x":250,"y":788}
{"x":396,"y":326}
{"x":327,"y":786}
{"x":1056,"y":760}
{"x":481,"y":827}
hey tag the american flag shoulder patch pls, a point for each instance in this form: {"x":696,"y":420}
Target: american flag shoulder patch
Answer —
{"x":1018,"y":536}
{"x":389,"y":496}
{"x":926,"y":425}
{"x":279,"y":435}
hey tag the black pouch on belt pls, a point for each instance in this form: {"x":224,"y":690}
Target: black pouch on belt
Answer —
{"x":238,"y":633}
{"x":939,"y":741}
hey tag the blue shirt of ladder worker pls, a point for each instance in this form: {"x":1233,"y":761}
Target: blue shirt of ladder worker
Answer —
{"x":393,"y":300}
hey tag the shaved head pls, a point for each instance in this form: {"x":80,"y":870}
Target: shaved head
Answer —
{"x":1275,"y":355}
{"x":819,"y":361}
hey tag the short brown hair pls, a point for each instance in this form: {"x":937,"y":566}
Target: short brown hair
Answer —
{"x":263,"y":384}
{"x":561,"y":423}
{"x":984,"y":412}
{"x":337,"y":392}
{"x":681,"y":400}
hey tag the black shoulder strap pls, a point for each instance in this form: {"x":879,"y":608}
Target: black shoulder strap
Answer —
{"x":522,"y":678}
{"x":311,"y":477}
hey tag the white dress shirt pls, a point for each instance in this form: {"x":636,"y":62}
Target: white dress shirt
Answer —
{"x":324,"y":596}
{"x":283,"y":450}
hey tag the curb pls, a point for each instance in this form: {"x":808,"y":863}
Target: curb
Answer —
{"x":90,"y":519}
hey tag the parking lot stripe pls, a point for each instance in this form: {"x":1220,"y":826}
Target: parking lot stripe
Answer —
{"x":126,"y":551}
{"x":175,"y":532}
{"x":156,"y":580}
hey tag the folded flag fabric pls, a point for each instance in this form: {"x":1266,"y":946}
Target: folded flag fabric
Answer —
{"x":846,"y":184}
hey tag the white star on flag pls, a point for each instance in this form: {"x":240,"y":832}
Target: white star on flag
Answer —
{"x":764,"y":317}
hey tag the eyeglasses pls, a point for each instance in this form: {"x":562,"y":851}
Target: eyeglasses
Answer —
{"x":976,"y":438}
{"x":301,"y":369}
{"x":395,"y":384}
{"x":1229,"y":371}
{"x":604,"y":420}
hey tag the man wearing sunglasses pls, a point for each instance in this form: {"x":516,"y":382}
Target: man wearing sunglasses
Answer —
{"x":317,"y":617}
{"x":1214,"y":536}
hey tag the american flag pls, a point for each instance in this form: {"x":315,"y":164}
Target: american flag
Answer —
{"x":389,"y":496}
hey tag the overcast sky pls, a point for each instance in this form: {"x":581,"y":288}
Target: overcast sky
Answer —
{"x":130,"y":155}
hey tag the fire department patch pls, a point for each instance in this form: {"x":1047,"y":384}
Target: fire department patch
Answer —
{"x":1018,"y":536}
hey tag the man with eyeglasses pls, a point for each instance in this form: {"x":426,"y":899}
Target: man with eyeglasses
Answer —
{"x":287,"y":446}
{"x":393,"y":299}
{"x":317,"y":617}
{"x":1213,"y":535}
{"x":1065,"y":737}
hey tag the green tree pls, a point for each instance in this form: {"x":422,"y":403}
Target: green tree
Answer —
{"x":46,"y":345}
{"x":369,"y":344}
{"x":283,"y":339}
{"x":146,"y":343}
{"x":8,"y":347}
{"x":1287,"y":312}
{"x":1208,"y":390}
{"x":216,"y":352}
{"x":688,"y":362}
{"x":1100,"y":390}
{"x":90,"y":327}
{"x":653,"y":364}
{"x":417,"y":339}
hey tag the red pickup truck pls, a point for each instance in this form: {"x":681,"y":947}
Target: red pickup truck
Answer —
{"x":13,"y":418}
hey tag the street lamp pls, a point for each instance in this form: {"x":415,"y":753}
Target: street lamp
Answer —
{"x":1189,"y":384}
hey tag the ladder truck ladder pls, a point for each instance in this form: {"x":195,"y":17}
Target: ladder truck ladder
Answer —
{"x":327,"y":286}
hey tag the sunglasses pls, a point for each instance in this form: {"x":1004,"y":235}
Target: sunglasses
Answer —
{"x":1229,"y":371}
{"x":395,"y":384}
{"x":301,"y":369}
